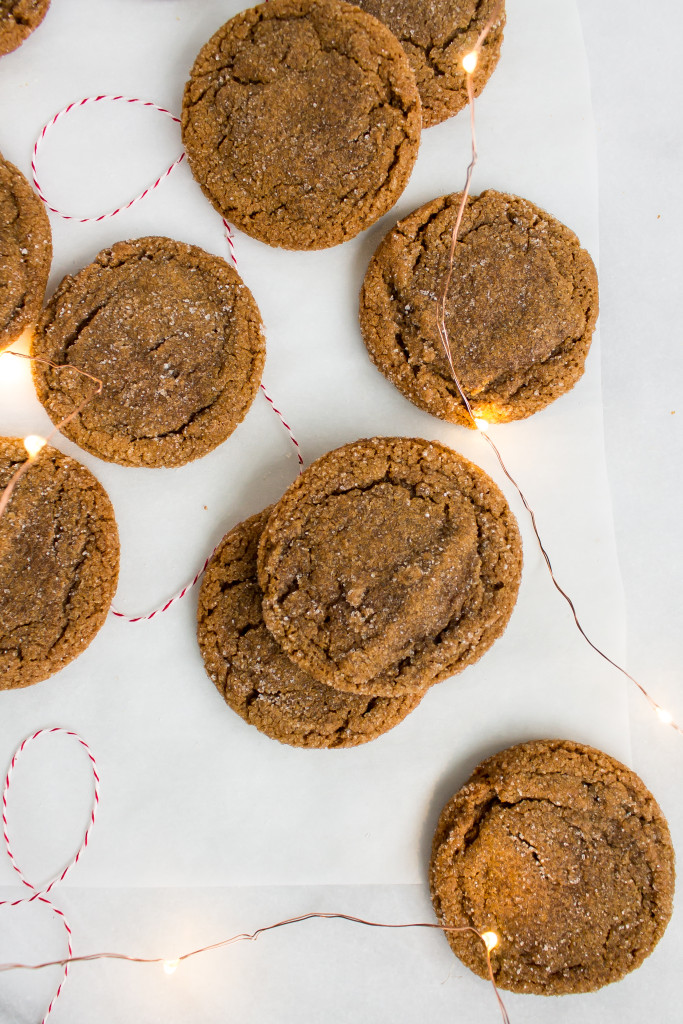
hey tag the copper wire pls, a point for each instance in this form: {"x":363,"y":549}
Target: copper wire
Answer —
{"x":445,"y":341}
{"x":252,"y":936}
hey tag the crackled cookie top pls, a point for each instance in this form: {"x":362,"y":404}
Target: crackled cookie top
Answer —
{"x":436,"y":35}
{"x":301,"y":121}
{"x":18,"y":18}
{"x":390,"y":564}
{"x":25,"y":252}
{"x":176,"y":339}
{"x":59,"y":557}
{"x":565,"y":855}
{"x":520,"y":312}
{"x":257,"y":679}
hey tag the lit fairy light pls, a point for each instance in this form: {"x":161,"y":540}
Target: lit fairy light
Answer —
{"x":170,"y":966}
{"x":33,"y":444}
{"x":481,"y":424}
{"x":490,"y":940}
{"x":469,"y":61}
{"x":664,"y":716}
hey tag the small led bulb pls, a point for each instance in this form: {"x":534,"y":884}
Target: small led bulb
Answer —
{"x":490,"y":940}
{"x":469,"y":61}
{"x":33,"y":444}
{"x":170,"y":966}
{"x":481,"y":424}
{"x":665,"y":716}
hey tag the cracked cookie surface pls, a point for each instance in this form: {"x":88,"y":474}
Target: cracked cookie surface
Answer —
{"x":25,"y":254}
{"x":390,"y":564}
{"x":174,"y":335}
{"x":18,"y":18}
{"x":436,"y":35}
{"x":59,"y":557}
{"x":520,"y":311}
{"x":257,"y":679}
{"x":301,"y":121}
{"x":566,"y":856}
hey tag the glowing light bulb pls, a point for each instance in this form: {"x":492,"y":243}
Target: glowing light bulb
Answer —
{"x":170,"y":966}
{"x":664,"y":716}
{"x":469,"y":61}
{"x":33,"y":443}
{"x":481,"y":424}
{"x":490,"y":940}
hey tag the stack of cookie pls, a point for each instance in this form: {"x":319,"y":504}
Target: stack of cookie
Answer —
{"x":388,"y":566}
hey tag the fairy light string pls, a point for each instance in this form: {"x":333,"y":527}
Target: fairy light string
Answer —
{"x":469,"y":63}
{"x":33,"y":443}
{"x":488,"y":939}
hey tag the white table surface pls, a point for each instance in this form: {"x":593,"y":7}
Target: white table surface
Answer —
{"x":340,"y":976}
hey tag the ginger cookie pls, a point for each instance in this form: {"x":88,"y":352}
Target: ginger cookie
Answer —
{"x":564,"y":854}
{"x":390,"y":564}
{"x":257,"y":679}
{"x":436,"y":35}
{"x":301,"y":120}
{"x":18,"y":18}
{"x":59,"y":559}
{"x":25,"y":253}
{"x":520,"y":312}
{"x":176,"y":339}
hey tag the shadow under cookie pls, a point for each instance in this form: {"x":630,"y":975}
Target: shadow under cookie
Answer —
{"x":257,"y":679}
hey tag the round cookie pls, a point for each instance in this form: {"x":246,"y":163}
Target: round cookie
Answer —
{"x":389,"y":564}
{"x":59,"y":559}
{"x":565,"y":855}
{"x":25,"y":253}
{"x":18,"y":18}
{"x":520,"y":312}
{"x":257,"y":679}
{"x":436,"y":35}
{"x":301,"y":121}
{"x":174,"y":335}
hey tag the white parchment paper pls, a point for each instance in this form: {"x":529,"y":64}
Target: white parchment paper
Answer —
{"x":193,"y":797}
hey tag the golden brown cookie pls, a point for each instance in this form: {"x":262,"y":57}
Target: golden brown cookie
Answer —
{"x":301,"y":121}
{"x":390,"y":564}
{"x":257,"y":679}
{"x":176,"y":339}
{"x":59,"y":560}
{"x":520,"y":312}
{"x":25,"y":253}
{"x":18,"y":18}
{"x":564,"y":854}
{"x":436,"y":35}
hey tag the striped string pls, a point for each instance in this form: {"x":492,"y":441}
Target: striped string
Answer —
{"x":41,"y":894}
{"x":76,"y":105}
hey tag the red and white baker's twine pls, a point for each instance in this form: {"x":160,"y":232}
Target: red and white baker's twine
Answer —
{"x":41,"y":894}
{"x":75,"y":106}
{"x":112,"y":213}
